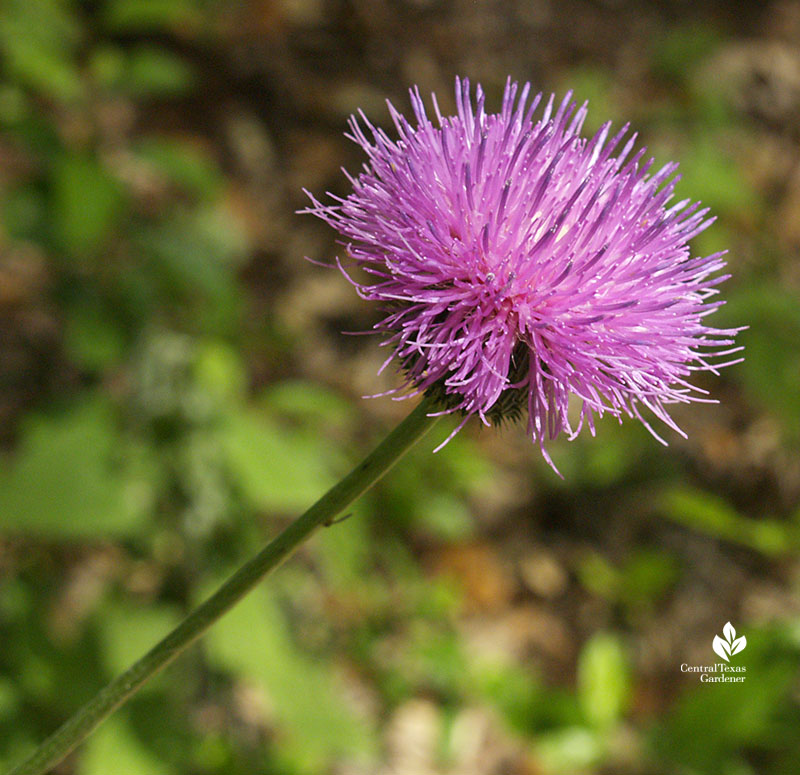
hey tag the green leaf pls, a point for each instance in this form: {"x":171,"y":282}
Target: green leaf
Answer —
{"x":128,"y":631}
{"x":608,"y":463}
{"x":183,"y":163}
{"x":677,"y":54}
{"x":194,"y":255}
{"x":38,"y":39}
{"x":276,"y":467}
{"x":63,"y":480}
{"x":24,"y":212}
{"x":514,"y":692}
{"x":711,"y":175}
{"x":344,"y":553}
{"x":114,"y":748}
{"x":253,"y":642}
{"x":9,"y":697}
{"x":603,"y":680}
{"x":713,"y":515}
{"x":595,"y":85}
{"x":220,"y":372}
{"x":771,"y":366}
{"x":647,"y":576}
{"x":569,"y":750}
{"x":156,"y":72}
{"x":93,"y":338}
{"x":599,"y":576}
{"x":14,"y":104}
{"x":151,"y":15}
{"x":446,"y":517}
{"x":308,"y":402}
{"x":87,"y":203}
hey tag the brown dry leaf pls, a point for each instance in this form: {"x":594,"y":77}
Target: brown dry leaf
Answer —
{"x":518,"y":633}
{"x":484,"y":578}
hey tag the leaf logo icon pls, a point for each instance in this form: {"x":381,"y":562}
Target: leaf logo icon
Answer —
{"x":729,"y":645}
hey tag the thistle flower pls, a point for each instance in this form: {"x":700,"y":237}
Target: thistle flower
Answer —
{"x":519,"y":264}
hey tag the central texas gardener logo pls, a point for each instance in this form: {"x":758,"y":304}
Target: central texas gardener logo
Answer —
{"x":722,"y":672}
{"x":729,"y":645}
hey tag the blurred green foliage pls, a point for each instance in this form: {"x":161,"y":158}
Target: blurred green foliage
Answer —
{"x":160,"y":461}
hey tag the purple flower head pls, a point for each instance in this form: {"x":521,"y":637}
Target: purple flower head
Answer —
{"x":519,"y":263}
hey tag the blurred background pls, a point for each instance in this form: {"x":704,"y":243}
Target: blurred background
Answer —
{"x":174,"y":387}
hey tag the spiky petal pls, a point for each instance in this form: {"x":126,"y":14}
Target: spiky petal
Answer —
{"x":518,"y":261}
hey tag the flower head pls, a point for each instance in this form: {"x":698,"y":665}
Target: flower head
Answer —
{"x":519,"y":263}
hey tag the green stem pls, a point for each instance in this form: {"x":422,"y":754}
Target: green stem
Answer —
{"x":105,"y":702}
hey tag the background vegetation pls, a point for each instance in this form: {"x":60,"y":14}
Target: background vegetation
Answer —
{"x":174,"y":387}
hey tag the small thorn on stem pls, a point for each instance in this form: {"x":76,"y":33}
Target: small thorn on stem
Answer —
{"x":337,"y":520}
